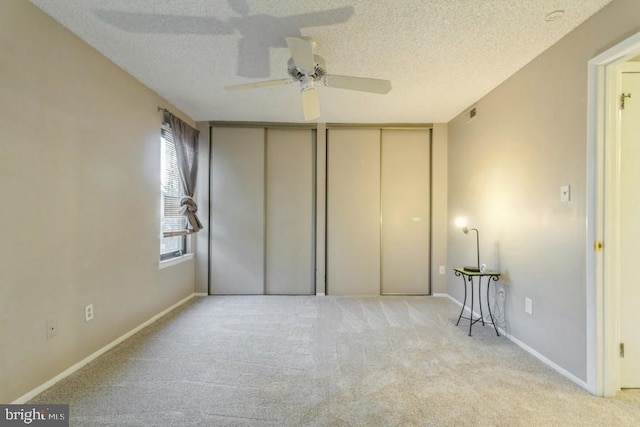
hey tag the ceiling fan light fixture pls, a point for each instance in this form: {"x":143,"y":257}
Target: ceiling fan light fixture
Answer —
{"x":319,"y":69}
{"x":306,"y":83}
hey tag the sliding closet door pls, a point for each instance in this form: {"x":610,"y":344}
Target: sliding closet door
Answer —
{"x":405,"y":212}
{"x":353,"y":212}
{"x":237,"y":211}
{"x":290,"y":212}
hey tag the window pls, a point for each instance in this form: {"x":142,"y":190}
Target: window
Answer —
{"x":173,"y":225}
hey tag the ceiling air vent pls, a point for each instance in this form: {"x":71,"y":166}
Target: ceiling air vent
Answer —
{"x":471,"y":113}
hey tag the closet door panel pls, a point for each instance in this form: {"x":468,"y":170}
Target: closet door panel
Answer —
{"x":353,"y":212}
{"x":405,"y":212}
{"x":237,"y":211}
{"x":290,"y":212}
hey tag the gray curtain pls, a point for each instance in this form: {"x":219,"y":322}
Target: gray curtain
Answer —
{"x":185,"y":139}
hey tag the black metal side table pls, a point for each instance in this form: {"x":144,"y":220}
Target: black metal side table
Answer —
{"x":468,"y":276}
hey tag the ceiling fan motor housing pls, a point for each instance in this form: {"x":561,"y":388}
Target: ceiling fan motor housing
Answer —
{"x":319,"y":70}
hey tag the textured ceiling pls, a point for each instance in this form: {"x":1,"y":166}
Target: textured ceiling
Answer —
{"x":440,"y":55}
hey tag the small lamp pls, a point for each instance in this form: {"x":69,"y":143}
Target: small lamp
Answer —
{"x":462,"y":223}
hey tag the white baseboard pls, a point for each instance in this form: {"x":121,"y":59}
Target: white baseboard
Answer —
{"x":436,"y":295}
{"x":36,"y":391}
{"x":531,"y":351}
{"x":544,"y":360}
{"x":320,"y":294}
{"x":200,"y":294}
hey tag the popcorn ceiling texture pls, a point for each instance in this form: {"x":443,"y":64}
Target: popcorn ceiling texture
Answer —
{"x":440,"y":55}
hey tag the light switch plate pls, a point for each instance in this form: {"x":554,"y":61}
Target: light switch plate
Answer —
{"x":565,"y":193}
{"x":528,"y":306}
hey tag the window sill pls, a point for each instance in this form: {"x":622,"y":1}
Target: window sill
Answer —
{"x":174,"y":261}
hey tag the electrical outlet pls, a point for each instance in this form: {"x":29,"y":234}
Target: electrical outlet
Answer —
{"x":88,"y":312}
{"x":52,"y":328}
{"x":501,"y":294}
{"x":528,"y":306}
{"x":442,"y":269}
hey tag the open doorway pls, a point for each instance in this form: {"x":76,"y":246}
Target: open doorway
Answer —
{"x":613,"y":165}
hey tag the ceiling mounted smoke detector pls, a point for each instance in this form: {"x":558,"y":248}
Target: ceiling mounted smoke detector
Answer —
{"x":554,"y":16}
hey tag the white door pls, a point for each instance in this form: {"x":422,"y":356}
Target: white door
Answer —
{"x":290,"y":254}
{"x":630,"y":231}
{"x":353,"y":212}
{"x":405,"y":211}
{"x":237,"y":211}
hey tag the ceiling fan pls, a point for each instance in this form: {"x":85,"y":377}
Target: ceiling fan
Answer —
{"x":307,"y":69}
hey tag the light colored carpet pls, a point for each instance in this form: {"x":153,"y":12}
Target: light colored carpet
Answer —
{"x":326,"y":361}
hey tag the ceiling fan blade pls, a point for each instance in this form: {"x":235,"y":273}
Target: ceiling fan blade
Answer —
{"x":310,"y":104}
{"x":259,"y":84}
{"x":363,"y":84}
{"x":302,"y":54}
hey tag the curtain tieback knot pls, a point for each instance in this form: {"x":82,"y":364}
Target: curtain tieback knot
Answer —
{"x":188,"y":205}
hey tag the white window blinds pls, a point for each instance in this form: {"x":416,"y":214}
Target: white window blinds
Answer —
{"x":174,"y":223}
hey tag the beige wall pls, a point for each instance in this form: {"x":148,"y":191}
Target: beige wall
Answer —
{"x":79,"y":176}
{"x":506,"y":167}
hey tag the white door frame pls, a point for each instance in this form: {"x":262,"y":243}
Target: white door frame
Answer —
{"x":603,"y":148}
